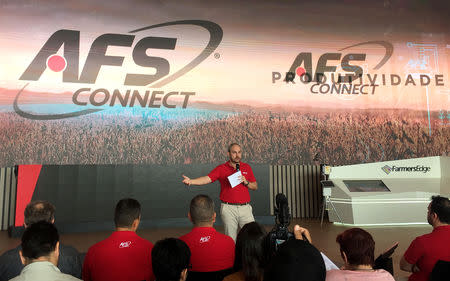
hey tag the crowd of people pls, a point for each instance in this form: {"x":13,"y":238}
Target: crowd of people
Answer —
{"x":283,"y":137}
{"x":206,"y":254}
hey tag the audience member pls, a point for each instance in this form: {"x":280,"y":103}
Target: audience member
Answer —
{"x":126,"y":256}
{"x":426,"y":250}
{"x":296,"y":260}
{"x":123,"y":255}
{"x":69,"y":261}
{"x":357,"y":250}
{"x":210,"y":250}
{"x":170,"y":259}
{"x":39,"y":254}
{"x":250,"y":257}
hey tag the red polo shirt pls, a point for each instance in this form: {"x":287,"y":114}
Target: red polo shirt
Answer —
{"x":426,"y":250}
{"x":210,"y":250}
{"x":238,"y":194}
{"x":122,"y":256}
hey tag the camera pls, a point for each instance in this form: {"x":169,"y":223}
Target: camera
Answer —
{"x":280,"y":234}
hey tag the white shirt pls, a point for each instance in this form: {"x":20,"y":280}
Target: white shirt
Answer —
{"x":43,"y":271}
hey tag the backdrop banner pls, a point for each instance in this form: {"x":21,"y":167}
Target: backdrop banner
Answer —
{"x":174,"y":82}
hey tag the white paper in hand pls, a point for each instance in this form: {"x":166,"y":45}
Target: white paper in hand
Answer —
{"x":329,"y":265}
{"x":234,"y":179}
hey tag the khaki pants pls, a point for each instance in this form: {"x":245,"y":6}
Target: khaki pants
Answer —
{"x":234,"y":217}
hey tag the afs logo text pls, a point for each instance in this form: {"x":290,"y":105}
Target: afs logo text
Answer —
{"x":302,"y":67}
{"x":97,"y":57}
{"x":323,"y":67}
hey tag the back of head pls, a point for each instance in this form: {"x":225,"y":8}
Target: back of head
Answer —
{"x":127,"y":210}
{"x":201,"y":209}
{"x":39,"y":211}
{"x":39,"y":240}
{"x":250,"y":256}
{"x":170,"y":257}
{"x":441,"y":207}
{"x":358,"y":246}
{"x":296,"y":260}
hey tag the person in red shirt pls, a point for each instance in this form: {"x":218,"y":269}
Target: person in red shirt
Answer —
{"x":426,"y":250}
{"x":210,"y":250}
{"x":123,"y":255}
{"x":235,"y":209}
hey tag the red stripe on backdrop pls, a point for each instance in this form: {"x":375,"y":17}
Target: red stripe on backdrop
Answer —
{"x":26,"y":183}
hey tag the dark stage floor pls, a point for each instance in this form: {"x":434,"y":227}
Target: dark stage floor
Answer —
{"x":323,"y":238}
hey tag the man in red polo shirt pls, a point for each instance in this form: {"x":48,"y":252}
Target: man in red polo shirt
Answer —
{"x":210,"y":250}
{"x":123,"y":255}
{"x":235,"y":209}
{"x":426,"y":250}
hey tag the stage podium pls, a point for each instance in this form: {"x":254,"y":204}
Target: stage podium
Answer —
{"x":388,"y":193}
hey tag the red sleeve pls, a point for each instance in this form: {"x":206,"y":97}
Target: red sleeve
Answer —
{"x":414,"y":252}
{"x":215,"y":174}
{"x":250,"y":177}
{"x":86,"y":276}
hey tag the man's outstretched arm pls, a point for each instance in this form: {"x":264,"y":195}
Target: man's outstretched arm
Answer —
{"x":198,"y":181}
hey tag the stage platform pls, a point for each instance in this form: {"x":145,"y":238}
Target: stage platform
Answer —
{"x":323,"y":238}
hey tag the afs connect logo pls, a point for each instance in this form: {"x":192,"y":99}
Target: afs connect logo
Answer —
{"x":125,"y":244}
{"x":354,"y":80}
{"x":419,"y":168}
{"x":97,"y":57}
{"x":205,"y":239}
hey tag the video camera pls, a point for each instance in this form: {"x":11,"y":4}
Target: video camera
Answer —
{"x":280,"y":234}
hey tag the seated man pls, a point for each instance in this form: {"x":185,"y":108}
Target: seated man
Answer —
{"x":210,"y":250}
{"x":39,"y":254}
{"x":69,"y":261}
{"x":426,"y":250}
{"x":170,"y":260}
{"x":123,"y":255}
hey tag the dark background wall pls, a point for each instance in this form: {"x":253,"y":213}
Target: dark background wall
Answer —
{"x":85,"y":196}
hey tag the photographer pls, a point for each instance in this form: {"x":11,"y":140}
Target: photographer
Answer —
{"x":297,"y":260}
{"x":280,"y":233}
{"x":293,"y":257}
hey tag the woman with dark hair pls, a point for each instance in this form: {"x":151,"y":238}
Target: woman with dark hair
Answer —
{"x":170,"y":260}
{"x":357,"y":250}
{"x":249,"y":254}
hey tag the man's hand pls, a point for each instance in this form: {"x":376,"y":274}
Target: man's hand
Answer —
{"x":186,"y":180}
{"x":244,"y":180}
{"x":298,"y":231}
{"x":248,"y":184}
{"x":198,"y":181}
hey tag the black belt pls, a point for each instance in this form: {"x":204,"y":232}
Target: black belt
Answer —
{"x":235,"y":204}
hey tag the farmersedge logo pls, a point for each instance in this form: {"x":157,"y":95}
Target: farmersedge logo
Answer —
{"x":354,"y":81}
{"x":69,"y":65}
{"x":419,"y":168}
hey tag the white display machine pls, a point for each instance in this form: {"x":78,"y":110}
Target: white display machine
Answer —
{"x":392,"y":192}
